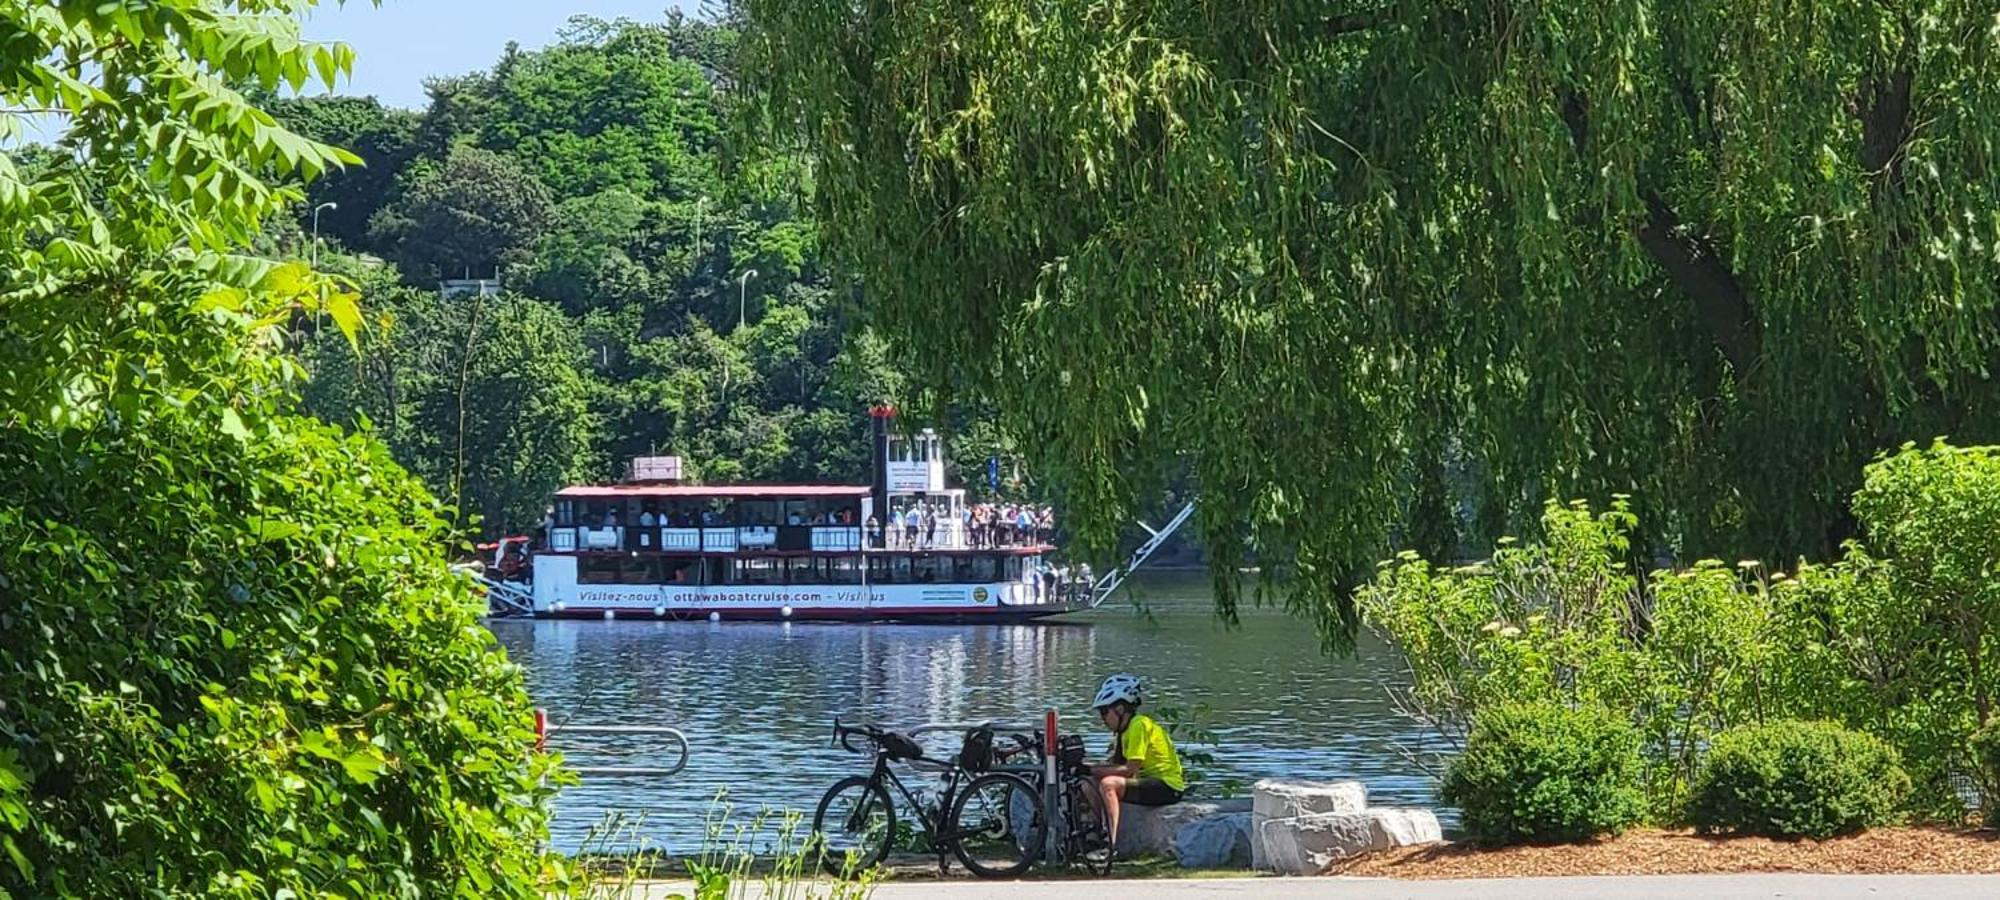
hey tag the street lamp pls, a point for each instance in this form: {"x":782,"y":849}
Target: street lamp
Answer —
{"x":742,"y":290}
{"x":315,"y":247}
{"x":700,"y":203}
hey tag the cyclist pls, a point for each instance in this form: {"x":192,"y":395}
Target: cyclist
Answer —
{"x":1143,"y":768}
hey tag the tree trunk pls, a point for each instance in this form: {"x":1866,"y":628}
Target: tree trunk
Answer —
{"x":1719,"y":299}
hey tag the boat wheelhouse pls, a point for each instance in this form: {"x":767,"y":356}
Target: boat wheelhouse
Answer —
{"x":898,"y":549}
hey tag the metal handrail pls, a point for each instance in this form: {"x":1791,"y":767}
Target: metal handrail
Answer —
{"x":510,"y":595}
{"x":674,"y":736}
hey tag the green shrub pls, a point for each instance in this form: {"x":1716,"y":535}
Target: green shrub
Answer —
{"x":1986,"y":762}
{"x":1543,"y":772}
{"x":1798,"y":779}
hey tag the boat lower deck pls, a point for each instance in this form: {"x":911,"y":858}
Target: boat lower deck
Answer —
{"x":915,"y":614}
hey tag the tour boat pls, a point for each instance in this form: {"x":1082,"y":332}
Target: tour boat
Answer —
{"x":655,"y":548}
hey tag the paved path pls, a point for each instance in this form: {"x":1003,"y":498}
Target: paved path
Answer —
{"x":1659,"y":887}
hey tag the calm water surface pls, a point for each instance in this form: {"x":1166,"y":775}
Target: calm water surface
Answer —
{"x":757,"y":700}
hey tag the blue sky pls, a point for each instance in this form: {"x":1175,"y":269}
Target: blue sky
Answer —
{"x":405,"y":41}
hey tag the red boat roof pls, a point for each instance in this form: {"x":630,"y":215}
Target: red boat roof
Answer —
{"x":715,"y":490}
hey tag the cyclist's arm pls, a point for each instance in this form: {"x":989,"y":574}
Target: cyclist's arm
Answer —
{"x":1126,"y":765}
{"x":1126,"y":769}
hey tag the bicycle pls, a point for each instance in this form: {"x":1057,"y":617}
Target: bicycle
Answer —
{"x":975,"y":817}
{"x":1082,"y":836}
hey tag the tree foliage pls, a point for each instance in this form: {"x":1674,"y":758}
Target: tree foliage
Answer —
{"x":384,"y":139}
{"x":1714,"y":255}
{"x":233,"y":660}
{"x":464,"y":217}
{"x":660,"y":299}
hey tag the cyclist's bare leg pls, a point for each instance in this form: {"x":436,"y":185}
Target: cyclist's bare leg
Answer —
{"x":1111,"y":789}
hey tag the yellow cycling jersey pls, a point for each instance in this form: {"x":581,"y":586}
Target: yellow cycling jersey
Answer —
{"x":1146,"y":745}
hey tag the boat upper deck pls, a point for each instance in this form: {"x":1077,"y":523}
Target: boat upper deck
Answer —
{"x":778,"y":518}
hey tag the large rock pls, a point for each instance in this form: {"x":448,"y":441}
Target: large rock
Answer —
{"x":1220,"y":841}
{"x":1407,"y":827}
{"x":1306,"y":845}
{"x":1150,"y":830}
{"x":1285,"y":798}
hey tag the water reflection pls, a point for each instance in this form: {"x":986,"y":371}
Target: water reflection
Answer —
{"x":757,"y":699}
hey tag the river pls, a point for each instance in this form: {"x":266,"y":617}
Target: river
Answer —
{"x":757,"y":700}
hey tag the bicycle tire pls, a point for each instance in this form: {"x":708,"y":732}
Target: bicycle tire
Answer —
{"x":1012,"y":830}
{"x":871,"y":845}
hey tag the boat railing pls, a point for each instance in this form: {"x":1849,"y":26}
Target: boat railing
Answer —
{"x":835,"y":538}
{"x":502,"y":597}
{"x":670,"y":741}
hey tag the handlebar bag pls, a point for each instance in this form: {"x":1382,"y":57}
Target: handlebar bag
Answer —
{"x":900,"y":747}
{"x":977,"y":754}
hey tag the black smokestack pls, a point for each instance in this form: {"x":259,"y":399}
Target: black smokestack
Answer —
{"x":878,"y":484}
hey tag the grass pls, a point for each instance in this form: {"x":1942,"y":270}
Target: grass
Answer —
{"x":769,"y":856}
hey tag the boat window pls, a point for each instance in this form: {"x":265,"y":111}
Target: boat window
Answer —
{"x":679,"y":571}
{"x":930,"y":569}
{"x":841,"y":569}
{"x":760,"y":570}
{"x":978,"y":569}
{"x":639,"y":570}
{"x":757,"y":512}
{"x":1011,"y":569}
{"x":718,"y":570}
{"x":800,"y":570}
{"x":565,"y":516}
{"x":899,"y":571}
{"x":597,"y":570}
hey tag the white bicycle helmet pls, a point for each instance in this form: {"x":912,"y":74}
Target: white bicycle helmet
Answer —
{"x":1119,"y":687}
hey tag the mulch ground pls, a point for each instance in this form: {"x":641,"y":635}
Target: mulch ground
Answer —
{"x":1927,"y":851}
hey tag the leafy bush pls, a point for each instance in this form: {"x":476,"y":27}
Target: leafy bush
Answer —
{"x":1896,"y":637}
{"x":1544,"y":772}
{"x":1985,"y":745}
{"x":1798,"y":779}
{"x":233,"y":660}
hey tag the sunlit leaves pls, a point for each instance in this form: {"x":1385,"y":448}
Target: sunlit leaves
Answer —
{"x":234,"y":662}
{"x":1700,"y":253}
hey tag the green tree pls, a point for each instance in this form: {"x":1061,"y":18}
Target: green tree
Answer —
{"x":609,"y":105}
{"x":1714,"y":255}
{"x":233,"y":659}
{"x":516,"y":418}
{"x":465,"y":218}
{"x":385,"y":140}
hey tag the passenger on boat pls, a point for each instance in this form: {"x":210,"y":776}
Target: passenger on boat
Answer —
{"x":874,"y":531}
{"x":1143,"y":768}
{"x":912,"y":521}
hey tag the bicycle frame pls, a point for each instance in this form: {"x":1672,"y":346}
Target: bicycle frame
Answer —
{"x":931,"y":820}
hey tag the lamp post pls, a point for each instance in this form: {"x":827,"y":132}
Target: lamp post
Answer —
{"x":700,"y":203}
{"x":742,"y":291}
{"x":315,"y":247}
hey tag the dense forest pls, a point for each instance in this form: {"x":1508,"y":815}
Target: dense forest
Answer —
{"x":657,"y":296}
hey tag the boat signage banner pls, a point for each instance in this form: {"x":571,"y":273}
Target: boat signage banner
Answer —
{"x":755,"y":596}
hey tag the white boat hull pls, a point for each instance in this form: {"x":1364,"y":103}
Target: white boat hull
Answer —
{"x":557,"y":595}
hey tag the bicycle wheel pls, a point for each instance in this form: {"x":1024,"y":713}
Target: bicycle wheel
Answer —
{"x":995,"y":827}
{"x":855,"y":822}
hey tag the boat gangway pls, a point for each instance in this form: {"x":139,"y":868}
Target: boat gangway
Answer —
{"x":1107,"y":584}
